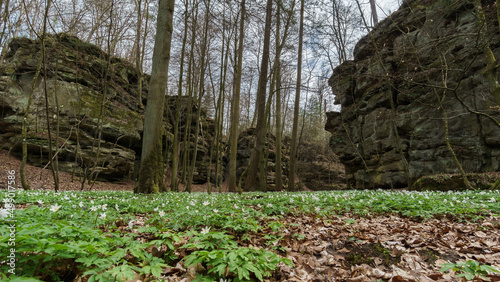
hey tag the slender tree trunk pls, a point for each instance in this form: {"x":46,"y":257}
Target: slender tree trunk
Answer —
{"x":56,"y":100}
{"x":94,"y":172}
{"x":219,"y":107}
{"x":220,"y":153}
{"x":235,"y":106}
{"x":285,"y":114}
{"x":189,"y":88}
{"x":138,"y":62}
{"x":275,"y":89}
{"x":279,"y":165}
{"x":293,"y":150}
{"x":143,"y":51}
{"x":338,"y":33}
{"x":174,"y":183}
{"x":44,"y":58}
{"x":373,"y":6}
{"x":204,"y":48}
{"x":151,"y":170}
{"x":256,"y":168}
{"x":213,"y":149}
{"x":5,"y":18}
{"x":277,"y":77}
{"x":22,"y":174}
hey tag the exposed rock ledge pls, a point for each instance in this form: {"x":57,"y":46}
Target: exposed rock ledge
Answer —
{"x":427,"y":57}
{"x":75,"y":73}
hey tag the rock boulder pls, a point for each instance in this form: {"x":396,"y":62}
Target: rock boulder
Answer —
{"x":415,"y":80}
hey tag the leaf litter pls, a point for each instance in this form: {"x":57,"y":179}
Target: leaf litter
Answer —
{"x":385,"y":247}
{"x":381,"y":247}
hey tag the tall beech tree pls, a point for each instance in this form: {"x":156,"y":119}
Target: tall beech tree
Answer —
{"x":277,"y":79}
{"x":235,"y":105}
{"x":256,"y":168}
{"x":201,"y":93}
{"x":46,"y":95}
{"x":151,"y":169}
{"x":293,"y":149}
{"x":174,"y":183}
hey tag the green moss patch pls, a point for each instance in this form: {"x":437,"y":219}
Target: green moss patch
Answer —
{"x":447,"y":182}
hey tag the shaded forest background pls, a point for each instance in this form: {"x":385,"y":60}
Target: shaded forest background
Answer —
{"x":126,"y":29}
{"x":237,"y":70}
{"x":204,"y":59}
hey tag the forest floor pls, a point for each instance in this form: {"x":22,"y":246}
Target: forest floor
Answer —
{"x":40,"y":178}
{"x":347,"y":246}
{"x":388,"y":247}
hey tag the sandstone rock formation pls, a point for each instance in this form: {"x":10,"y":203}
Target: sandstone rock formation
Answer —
{"x":81,"y":76}
{"x":422,"y":67}
{"x":318,"y":168}
{"x":246,"y":144}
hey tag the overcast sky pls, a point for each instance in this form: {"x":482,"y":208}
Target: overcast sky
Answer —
{"x":386,"y":6}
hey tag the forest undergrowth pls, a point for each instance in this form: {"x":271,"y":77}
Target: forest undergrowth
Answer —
{"x":352,"y":235}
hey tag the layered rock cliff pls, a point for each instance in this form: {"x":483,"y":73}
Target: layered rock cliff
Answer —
{"x":93,"y":106}
{"x":419,"y":79}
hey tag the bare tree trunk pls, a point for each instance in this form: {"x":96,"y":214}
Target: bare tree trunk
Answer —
{"x":279,"y":165}
{"x":151,"y":170}
{"x":56,"y":100}
{"x":256,"y":168}
{"x":24,"y":182}
{"x":235,"y":105}
{"x":342,"y":46}
{"x":5,"y":18}
{"x":204,"y":48}
{"x":293,"y":150}
{"x":94,"y":172}
{"x":138,"y":62}
{"x":219,"y":116}
{"x":373,"y":6}
{"x":220,"y":153}
{"x":277,"y":78}
{"x":189,"y":87}
{"x":44,"y":58}
{"x":174,"y":183}
{"x":277,"y":86}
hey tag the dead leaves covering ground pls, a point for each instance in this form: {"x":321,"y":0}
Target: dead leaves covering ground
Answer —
{"x":389,"y":248}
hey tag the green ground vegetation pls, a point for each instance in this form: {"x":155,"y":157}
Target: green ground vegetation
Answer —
{"x":110,"y":235}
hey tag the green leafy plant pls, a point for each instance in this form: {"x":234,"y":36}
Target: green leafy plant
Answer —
{"x":276,"y":226}
{"x":298,"y":236}
{"x":469,"y":269}
{"x":238,"y":263}
{"x":350,"y":221}
{"x":211,"y":240}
